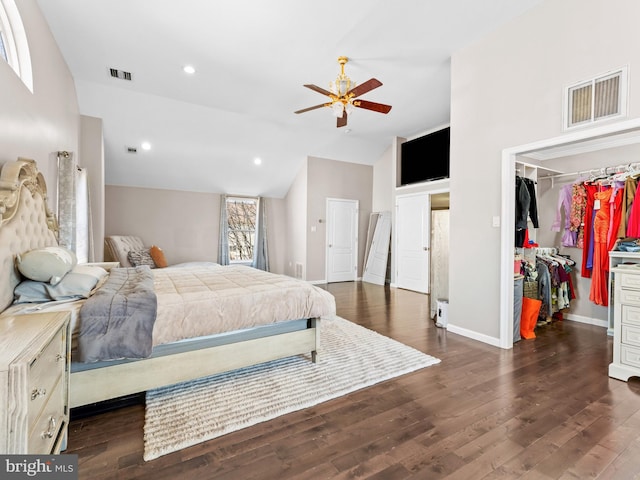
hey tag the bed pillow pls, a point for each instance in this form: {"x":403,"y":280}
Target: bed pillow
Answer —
{"x":138,"y":258}
{"x":48,"y":264}
{"x":158,"y":256}
{"x":78,"y":283}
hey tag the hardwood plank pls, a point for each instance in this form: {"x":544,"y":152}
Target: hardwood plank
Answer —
{"x":545,"y":409}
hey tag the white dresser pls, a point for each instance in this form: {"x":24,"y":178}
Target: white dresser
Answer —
{"x":626,"y":323}
{"x":34,"y":383}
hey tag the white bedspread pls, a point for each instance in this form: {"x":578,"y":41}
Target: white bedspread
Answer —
{"x":207,"y":299}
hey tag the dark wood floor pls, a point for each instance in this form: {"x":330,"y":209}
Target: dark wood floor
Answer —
{"x":545,"y":409}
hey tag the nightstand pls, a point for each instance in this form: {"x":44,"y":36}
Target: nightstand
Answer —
{"x":34,"y":383}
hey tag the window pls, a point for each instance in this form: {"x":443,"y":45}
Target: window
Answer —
{"x":14,"y":48}
{"x":241,"y":219}
{"x":596,"y":99}
{"x":3,"y":50}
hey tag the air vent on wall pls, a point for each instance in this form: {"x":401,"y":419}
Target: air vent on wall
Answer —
{"x":132,"y":150}
{"x":596,"y":99}
{"x":121,"y":74}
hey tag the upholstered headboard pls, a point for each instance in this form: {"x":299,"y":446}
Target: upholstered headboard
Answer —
{"x":26,"y":222}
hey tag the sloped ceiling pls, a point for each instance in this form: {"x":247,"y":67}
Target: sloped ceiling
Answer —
{"x":251,"y":59}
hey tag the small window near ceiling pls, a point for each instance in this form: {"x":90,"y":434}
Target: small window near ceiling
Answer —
{"x":597,"y":99}
{"x":241,"y":218}
{"x":3,"y":50}
{"x":14,"y":48}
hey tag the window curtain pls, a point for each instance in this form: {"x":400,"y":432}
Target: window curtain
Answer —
{"x":84,"y":240}
{"x":260,"y":253}
{"x":74,"y":209}
{"x":223,"y":243}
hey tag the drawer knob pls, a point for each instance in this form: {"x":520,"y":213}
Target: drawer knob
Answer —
{"x":51,"y":430}
{"x":38,"y":392}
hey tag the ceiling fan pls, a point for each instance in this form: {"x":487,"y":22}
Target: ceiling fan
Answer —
{"x":343,"y":94}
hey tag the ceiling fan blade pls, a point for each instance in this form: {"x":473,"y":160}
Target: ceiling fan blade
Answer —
{"x":376,"y":107}
{"x":364,"y":87}
{"x":315,"y":88}
{"x":342,"y":121}
{"x":311,"y":108}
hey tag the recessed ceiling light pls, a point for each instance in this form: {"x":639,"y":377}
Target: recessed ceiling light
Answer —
{"x":189,"y":69}
{"x":257,"y":161}
{"x":146,"y":146}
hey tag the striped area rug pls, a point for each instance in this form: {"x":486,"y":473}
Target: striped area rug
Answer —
{"x":352,"y":357}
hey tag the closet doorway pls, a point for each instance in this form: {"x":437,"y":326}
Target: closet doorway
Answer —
{"x":421,"y":239}
{"x":579,"y":142}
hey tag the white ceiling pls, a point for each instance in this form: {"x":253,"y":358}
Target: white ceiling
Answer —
{"x":252,"y":58}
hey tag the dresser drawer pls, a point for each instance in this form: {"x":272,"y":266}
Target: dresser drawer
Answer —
{"x":45,"y":372}
{"x":630,"y":356}
{"x":630,"y":335}
{"x":630,"y":297}
{"x":630,"y":315}
{"x":630,"y":281}
{"x":44,"y":432}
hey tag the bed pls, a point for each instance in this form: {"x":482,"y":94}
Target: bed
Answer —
{"x":210,"y":319}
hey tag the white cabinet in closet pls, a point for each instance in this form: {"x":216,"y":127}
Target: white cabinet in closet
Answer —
{"x":626,"y":323}
{"x":34,"y":383}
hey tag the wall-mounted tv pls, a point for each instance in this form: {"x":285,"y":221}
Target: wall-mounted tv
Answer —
{"x":425,"y":158}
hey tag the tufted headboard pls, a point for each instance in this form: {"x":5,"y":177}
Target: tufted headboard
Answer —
{"x":26,"y":222}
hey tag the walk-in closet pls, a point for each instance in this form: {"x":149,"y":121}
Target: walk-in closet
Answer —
{"x":579,"y":212}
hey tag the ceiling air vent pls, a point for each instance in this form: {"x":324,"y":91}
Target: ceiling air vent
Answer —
{"x":121,"y":74}
{"x":597,"y":99}
{"x":132,"y":150}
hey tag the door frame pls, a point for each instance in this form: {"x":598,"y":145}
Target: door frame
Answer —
{"x":507,"y":235}
{"x":355,"y":240}
{"x":394,"y":229}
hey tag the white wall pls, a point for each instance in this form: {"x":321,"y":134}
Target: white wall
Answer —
{"x":296,"y":223}
{"x":91,"y":157}
{"x":37,"y":125}
{"x":506,"y":91}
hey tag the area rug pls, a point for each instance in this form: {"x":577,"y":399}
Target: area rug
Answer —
{"x":351,"y":357}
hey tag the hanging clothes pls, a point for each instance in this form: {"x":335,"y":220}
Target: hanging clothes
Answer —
{"x":630,"y":186}
{"x":615,"y":206}
{"x":526,"y":207}
{"x":587,"y":250}
{"x":577,"y":212}
{"x":569,"y":237}
{"x":598,"y":293}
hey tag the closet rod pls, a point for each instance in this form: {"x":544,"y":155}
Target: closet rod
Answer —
{"x":596,"y":171}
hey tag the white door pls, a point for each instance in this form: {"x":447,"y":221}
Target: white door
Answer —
{"x":375,"y":270}
{"x":413,"y":214}
{"x":342,"y":240}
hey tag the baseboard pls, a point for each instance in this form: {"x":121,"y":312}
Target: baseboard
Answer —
{"x":588,"y":320}
{"x":317,"y":282}
{"x":474,"y":335}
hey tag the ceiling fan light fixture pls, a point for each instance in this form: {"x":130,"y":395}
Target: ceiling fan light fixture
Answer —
{"x":343,"y":96}
{"x":348,"y":107}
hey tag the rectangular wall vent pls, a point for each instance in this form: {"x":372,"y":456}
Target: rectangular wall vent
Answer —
{"x":596,"y":99}
{"x":121,"y":74}
{"x":298,"y":270}
{"x":132,"y":150}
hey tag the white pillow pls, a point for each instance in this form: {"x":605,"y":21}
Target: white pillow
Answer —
{"x":48,"y":264}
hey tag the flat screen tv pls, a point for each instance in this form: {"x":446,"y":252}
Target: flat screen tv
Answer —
{"x":425,"y":158}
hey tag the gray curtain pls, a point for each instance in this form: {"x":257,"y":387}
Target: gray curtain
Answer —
{"x":223,"y":244}
{"x":260,"y":253}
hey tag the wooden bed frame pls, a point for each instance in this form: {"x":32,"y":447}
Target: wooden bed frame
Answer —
{"x":179,"y":362}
